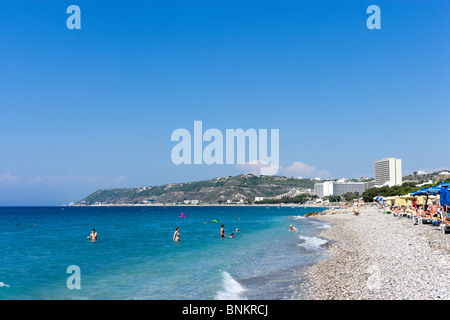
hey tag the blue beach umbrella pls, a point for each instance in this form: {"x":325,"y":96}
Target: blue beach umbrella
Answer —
{"x":434,"y":190}
{"x":421,"y":192}
{"x":445,"y":194}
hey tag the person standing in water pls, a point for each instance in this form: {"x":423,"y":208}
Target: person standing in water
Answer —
{"x":176,"y":235}
{"x":93,"y":235}
{"x":222,"y":233}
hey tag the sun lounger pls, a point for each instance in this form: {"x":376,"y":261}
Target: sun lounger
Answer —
{"x":425,"y":220}
{"x":436,"y":222}
{"x":444,"y":228}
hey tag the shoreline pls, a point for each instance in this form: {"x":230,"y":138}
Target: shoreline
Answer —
{"x":311,"y":205}
{"x":377,"y":256}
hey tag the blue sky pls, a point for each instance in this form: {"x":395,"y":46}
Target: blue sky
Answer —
{"x":95,"y":108}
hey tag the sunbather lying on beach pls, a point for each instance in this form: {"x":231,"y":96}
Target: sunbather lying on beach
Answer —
{"x":426,"y":214}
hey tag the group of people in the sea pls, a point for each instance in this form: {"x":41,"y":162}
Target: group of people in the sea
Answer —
{"x":176,"y":235}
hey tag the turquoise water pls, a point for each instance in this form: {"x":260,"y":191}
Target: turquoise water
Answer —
{"x":136,"y":258}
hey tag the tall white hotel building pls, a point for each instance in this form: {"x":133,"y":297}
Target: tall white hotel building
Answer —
{"x":388,"y":171}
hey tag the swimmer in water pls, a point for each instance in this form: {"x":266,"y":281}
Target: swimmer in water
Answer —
{"x":222,"y":234}
{"x":214,"y":220}
{"x":176,"y":235}
{"x":292,"y":228}
{"x":237,"y":229}
{"x":93,"y":235}
{"x":232,"y":236}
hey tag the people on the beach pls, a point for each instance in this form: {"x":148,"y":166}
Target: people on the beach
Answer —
{"x":446,"y":220}
{"x":93,"y":235}
{"x":424,"y":213}
{"x":433,"y":210}
{"x":176,"y":235}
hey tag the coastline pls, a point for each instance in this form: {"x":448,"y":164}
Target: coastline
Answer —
{"x":309,"y":205}
{"x":378,"y":256}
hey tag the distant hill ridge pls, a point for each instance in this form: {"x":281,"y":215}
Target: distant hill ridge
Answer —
{"x":217,"y":190}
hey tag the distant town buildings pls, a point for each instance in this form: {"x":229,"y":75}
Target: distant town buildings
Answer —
{"x":191,"y":201}
{"x":340,"y":187}
{"x":388,"y":171}
{"x":290,"y":194}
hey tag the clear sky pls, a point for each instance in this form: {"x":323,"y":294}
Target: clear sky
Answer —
{"x":94,"y":108}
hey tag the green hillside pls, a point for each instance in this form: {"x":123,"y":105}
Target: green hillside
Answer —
{"x":217,"y":190}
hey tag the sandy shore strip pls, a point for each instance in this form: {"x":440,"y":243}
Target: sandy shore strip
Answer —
{"x":379,"y":256}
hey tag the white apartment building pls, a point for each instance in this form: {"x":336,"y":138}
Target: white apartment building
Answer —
{"x":339,"y":188}
{"x":323,"y":189}
{"x":388,"y":171}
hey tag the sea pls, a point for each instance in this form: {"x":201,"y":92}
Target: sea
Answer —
{"x":45,"y":252}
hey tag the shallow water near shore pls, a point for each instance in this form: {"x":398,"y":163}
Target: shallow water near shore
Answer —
{"x":136,"y":258}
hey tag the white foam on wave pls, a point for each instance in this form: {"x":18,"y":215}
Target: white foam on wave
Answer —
{"x":321,"y":225}
{"x":299,"y":217}
{"x":232,"y":290}
{"x":311,"y":242}
{"x":325,"y":226}
{"x":2,"y":284}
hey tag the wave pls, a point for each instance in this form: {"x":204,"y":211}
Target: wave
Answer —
{"x":232,"y":290}
{"x":312,"y":243}
{"x":2,"y":284}
{"x":321,"y":225}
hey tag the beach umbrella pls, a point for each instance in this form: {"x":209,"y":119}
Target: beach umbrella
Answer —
{"x":408,"y":196}
{"x":434,"y":190}
{"x":445,"y":195}
{"x":421,"y":192}
{"x":390,"y":200}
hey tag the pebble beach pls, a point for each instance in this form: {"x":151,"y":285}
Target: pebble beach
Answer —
{"x":376,"y":256}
